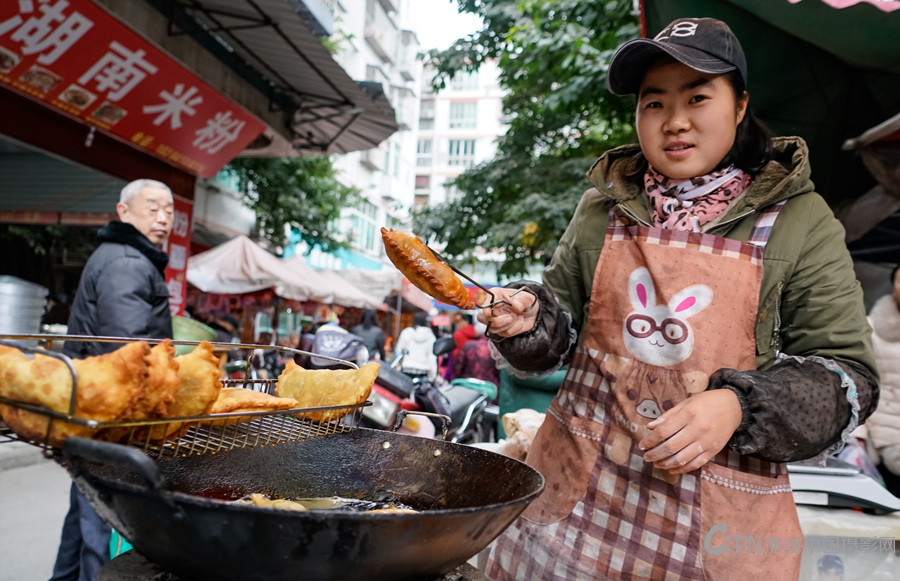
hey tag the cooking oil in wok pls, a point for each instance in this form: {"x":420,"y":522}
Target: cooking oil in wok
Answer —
{"x":339,"y":503}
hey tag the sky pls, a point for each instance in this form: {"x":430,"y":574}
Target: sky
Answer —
{"x":437,"y":23}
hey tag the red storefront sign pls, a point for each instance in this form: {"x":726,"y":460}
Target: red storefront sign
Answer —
{"x":178,"y":249}
{"x":77,"y":58}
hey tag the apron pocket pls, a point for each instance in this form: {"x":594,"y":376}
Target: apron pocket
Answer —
{"x":565,"y":451}
{"x":748,"y":523}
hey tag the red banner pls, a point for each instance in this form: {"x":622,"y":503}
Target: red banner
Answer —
{"x":178,"y":249}
{"x":79,"y":59}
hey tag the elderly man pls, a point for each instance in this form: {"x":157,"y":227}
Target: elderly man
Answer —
{"x":122,"y":293}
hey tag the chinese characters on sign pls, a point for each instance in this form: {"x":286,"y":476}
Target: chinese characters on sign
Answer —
{"x":77,"y":58}
{"x":178,"y":249}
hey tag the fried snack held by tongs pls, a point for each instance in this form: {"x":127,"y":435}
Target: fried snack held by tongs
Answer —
{"x":424,"y":269}
{"x":326,"y":387}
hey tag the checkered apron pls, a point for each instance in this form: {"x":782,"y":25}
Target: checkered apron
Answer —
{"x":668,"y":308}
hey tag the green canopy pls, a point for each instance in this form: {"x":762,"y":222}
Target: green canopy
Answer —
{"x":823,"y":73}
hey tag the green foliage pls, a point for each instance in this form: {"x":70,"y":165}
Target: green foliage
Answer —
{"x":299,"y":193}
{"x":553,"y":56}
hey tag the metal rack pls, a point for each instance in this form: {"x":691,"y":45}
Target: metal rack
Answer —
{"x":190,"y":434}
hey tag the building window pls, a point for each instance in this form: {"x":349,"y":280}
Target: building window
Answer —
{"x":464,"y":82}
{"x":463,"y":114}
{"x":423,"y":153}
{"x":421,"y":200}
{"x":364,"y":225}
{"x":461,"y":152}
{"x":423,"y":182}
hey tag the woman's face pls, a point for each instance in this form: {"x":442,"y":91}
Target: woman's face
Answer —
{"x":686,"y":120}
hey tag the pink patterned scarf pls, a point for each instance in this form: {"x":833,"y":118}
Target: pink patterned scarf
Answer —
{"x":688,"y":204}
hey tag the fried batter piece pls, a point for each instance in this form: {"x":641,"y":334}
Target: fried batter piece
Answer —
{"x":237,"y":399}
{"x":109,"y":388}
{"x":419,"y":264}
{"x":326,"y":387}
{"x":199,"y":385}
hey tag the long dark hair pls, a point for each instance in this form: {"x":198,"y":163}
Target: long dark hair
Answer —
{"x":752,"y":148}
{"x":369,"y":319}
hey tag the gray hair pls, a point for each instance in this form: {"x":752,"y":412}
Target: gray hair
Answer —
{"x":133,"y":189}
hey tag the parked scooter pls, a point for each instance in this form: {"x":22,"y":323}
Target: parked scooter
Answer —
{"x":460,"y":411}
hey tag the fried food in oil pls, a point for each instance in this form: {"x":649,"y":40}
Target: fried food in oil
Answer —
{"x":280,"y":503}
{"x":326,"y":387}
{"x":419,"y":264}
{"x":109,"y":388}
{"x":392,"y":509}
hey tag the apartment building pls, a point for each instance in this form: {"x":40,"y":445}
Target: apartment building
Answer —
{"x":458,"y":128}
{"x":376,"y":47}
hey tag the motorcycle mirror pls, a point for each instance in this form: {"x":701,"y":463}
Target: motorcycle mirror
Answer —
{"x":443,"y":346}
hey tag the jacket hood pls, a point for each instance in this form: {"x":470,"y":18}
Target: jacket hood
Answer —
{"x":786,"y":175}
{"x":124,"y":233}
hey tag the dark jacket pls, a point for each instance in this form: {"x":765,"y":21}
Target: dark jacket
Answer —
{"x":373,"y":337}
{"x":122,"y":292}
{"x":810,"y":306}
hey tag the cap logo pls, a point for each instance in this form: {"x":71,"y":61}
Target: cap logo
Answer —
{"x":681,"y":29}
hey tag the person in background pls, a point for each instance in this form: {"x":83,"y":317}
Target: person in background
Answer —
{"x":371,"y":334}
{"x":264,"y":359}
{"x":416,"y":344}
{"x":884,"y":426}
{"x":474,"y":359}
{"x":122,"y":293}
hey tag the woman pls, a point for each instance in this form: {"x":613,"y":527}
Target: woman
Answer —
{"x":715,"y":329}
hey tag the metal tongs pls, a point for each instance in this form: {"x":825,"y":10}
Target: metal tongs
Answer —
{"x":494,"y":301}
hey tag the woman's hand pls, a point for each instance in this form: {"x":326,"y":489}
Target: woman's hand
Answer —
{"x":511,"y":319}
{"x":690,"y":434}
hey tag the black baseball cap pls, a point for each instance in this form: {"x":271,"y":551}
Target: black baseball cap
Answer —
{"x":704,"y":44}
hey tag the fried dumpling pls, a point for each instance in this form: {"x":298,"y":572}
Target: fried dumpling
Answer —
{"x":326,"y":387}
{"x":235,"y":399}
{"x":199,"y":382}
{"x":419,"y":264}
{"x":109,"y":388}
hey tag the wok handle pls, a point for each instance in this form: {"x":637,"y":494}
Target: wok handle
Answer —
{"x":77,"y":450}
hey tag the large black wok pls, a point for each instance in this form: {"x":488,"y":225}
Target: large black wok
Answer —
{"x":467,"y":495}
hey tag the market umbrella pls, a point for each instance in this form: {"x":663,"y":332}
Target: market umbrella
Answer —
{"x":340,"y":292}
{"x":241,"y":266}
{"x":818,"y":71}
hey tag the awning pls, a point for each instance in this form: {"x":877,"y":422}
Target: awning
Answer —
{"x":329,"y":111}
{"x":341,"y":292}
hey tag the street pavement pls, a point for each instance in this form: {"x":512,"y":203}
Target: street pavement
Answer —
{"x":34,"y":498}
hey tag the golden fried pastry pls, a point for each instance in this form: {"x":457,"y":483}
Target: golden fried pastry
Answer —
{"x":200,"y":382}
{"x":419,"y":264}
{"x":326,"y":387}
{"x":236,"y":399}
{"x":162,"y":382}
{"x":109,"y":387}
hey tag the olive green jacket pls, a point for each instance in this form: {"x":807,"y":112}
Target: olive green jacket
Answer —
{"x":810,"y":303}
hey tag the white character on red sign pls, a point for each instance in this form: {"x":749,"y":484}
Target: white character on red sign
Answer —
{"x":118,"y":71}
{"x":180,"y":227}
{"x":219,"y":131}
{"x":49,"y":35}
{"x":175,"y":103}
